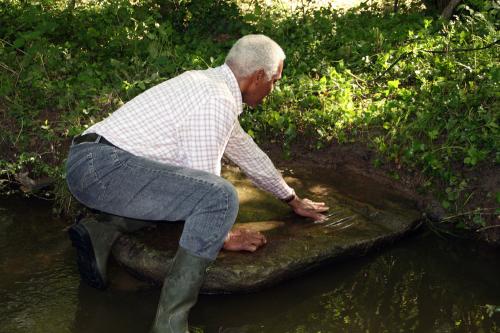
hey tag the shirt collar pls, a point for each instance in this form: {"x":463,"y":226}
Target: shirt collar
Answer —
{"x":232,"y":83}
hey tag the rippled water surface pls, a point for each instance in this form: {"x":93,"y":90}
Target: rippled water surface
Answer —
{"x":420,"y":284}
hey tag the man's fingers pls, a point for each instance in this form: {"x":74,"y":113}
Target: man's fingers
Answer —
{"x":251,"y":248}
{"x":313,"y":202}
{"x":252,"y":240}
{"x":317,"y":209}
{"x":320,"y":217}
{"x":253,"y":245}
{"x":260,"y":237}
{"x":255,"y":235}
{"x":314,"y":214}
{"x":323,"y":209}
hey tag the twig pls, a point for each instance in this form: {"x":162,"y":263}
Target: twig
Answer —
{"x":6,"y":42}
{"x":448,"y":147}
{"x":466,"y":213}
{"x":4,"y":66}
{"x":434,"y":52}
{"x":391,"y":66}
{"x":355,"y":76}
{"x":43,"y":65}
{"x":20,"y":131}
{"x":488,"y":227}
{"x":464,"y":50}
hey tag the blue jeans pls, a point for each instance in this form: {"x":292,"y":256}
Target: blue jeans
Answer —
{"x":114,"y":181}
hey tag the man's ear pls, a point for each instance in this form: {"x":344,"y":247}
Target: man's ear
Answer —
{"x":259,"y":76}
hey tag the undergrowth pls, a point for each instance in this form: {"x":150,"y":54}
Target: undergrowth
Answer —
{"x":420,"y":91}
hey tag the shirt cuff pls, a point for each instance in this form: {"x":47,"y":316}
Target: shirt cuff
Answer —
{"x":284,"y":192}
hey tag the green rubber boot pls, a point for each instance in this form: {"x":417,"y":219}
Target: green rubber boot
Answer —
{"x":180,"y":292}
{"x":93,"y":240}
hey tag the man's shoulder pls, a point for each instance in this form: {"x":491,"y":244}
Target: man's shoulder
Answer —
{"x":198,"y":86}
{"x":192,"y":82}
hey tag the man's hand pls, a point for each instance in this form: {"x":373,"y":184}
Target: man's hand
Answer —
{"x":244,"y":240}
{"x":308,"y":208}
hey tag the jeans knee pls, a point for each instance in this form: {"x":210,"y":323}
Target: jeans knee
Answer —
{"x":204,"y":232}
{"x":230,"y":194}
{"x":223,"y":198}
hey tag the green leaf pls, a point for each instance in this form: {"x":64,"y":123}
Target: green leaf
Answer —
{"x":19,"y":42}
{"x":433,"y":134}
{"x":445,"y":204}
{"x":393,"y":85}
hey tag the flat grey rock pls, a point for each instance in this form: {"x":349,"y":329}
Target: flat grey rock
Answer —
{"x":365,"y":216}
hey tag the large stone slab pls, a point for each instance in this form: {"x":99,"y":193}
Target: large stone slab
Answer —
{"x":365,"y":215}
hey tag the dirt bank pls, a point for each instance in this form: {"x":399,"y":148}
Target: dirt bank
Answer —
{"x":410,"y":183}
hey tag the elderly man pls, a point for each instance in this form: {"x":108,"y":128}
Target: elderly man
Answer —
{"x":158,"y":158}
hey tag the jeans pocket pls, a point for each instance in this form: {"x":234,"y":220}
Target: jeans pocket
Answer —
{"x":74,"y":163}
{"x":81,"y":174}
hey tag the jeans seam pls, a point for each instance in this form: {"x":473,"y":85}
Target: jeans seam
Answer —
{"x":114,"y":155}
{"x":131,"y":164}
{"x":96,"y":176}
{"x":211,"y":240}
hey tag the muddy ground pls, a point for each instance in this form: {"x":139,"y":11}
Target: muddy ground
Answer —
{"x":411,"y":183}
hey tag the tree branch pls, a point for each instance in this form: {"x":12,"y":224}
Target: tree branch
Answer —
{"x":464,"y":50}
{"x":434,"y":52}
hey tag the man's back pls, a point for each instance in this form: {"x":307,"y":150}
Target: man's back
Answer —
{"x":155,"y":123}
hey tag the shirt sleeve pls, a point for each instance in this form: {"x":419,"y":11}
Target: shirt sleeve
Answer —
{"x":243,"y":151}
{"x":203,"y":135}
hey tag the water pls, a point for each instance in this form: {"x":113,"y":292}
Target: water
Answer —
{"x":420,"y":284}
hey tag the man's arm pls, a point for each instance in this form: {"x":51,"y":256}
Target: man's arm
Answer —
{"x":243,"y":151}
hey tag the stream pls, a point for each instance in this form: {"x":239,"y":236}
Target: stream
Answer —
{"x":421,"y":283}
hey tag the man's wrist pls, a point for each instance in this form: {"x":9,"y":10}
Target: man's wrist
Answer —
{"x":289,"y":199}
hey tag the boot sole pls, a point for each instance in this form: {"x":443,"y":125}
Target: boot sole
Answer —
{"x":87,"y":264}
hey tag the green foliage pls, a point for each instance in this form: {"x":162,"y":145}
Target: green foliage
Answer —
{"x":420,"y":91}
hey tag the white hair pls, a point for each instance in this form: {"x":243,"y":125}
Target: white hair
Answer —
{"x":251,"y":53}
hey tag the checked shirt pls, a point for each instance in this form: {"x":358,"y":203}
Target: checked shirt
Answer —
{"x":192,"y":121}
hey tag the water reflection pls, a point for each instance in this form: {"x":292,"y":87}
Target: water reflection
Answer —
{"x":37,"y":275}
{"x":423,"y":285}
{"x":114,"y":311}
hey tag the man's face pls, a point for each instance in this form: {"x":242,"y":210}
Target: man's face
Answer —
{"x":260,"y":87}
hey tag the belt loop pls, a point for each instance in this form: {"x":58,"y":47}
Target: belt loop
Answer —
{"x":98,"y":138}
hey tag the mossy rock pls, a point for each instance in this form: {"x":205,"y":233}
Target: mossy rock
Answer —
{"x":295,"y":245}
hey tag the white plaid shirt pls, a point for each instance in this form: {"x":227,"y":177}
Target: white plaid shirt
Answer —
{"x":192,"y":120}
